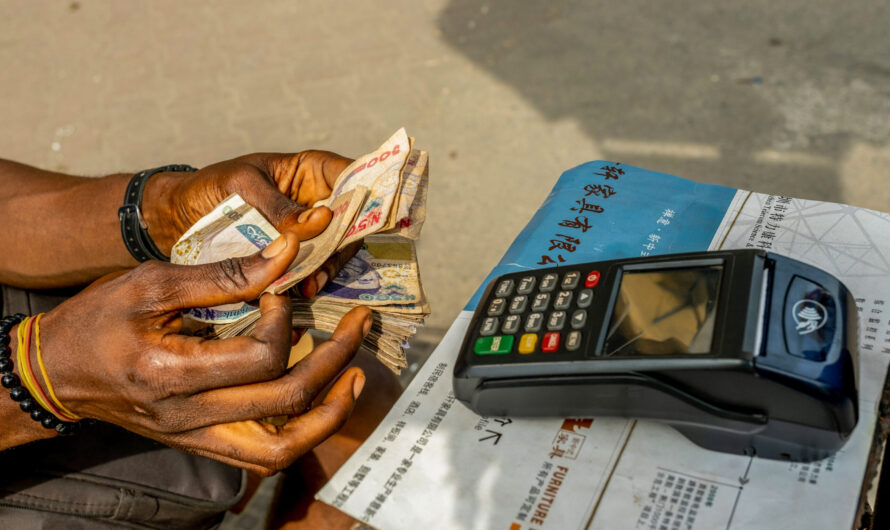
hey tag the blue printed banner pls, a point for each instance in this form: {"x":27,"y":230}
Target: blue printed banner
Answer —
{"x":607,"y":210}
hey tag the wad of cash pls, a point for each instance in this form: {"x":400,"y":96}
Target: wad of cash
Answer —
{"x":380,"y":199}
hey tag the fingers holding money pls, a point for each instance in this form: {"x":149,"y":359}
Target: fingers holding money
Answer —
{"x":308,"y":176}
{"x":293,"y":393}
{"x":285,"y":214}
{"x":177,"y":287}
{"x":329,"y":270}
{"x":298,"y":181}
{"x":264,"y":448}
{"x":175,"y":202}
{"x":206,"y":364}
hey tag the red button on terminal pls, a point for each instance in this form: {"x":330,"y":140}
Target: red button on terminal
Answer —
{"x":592,"y":279}
{"x":551,"y":342}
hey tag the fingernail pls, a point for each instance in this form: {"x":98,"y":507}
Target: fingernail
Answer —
{"x":307,"y":287}
{"x":320,"y":279}
{"x":305,"y":215}
{"x":275,"y":247}
{"x":366,"y":327}
{"x":357,"y":385}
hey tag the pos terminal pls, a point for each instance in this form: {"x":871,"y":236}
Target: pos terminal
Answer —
{"x":742,"y":351}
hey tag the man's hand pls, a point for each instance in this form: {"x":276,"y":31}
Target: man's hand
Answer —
{"x":65,"y":229}
{"x":114,"y":352}
{"x":282,"y":187}
{"x":279,"y":186}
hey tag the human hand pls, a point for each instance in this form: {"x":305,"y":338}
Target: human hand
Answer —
{"x":114,"y":352}
{"x":282,"y":187}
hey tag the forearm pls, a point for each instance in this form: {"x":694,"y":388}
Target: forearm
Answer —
{"x":59,"y":230}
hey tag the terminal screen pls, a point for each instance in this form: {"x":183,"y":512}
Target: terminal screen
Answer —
{"x":664,"y":312}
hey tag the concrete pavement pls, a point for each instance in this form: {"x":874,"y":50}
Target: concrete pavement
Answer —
{"x":791,"y":98}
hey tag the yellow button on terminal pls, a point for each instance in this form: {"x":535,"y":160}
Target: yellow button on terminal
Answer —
{"x":528,"y":342}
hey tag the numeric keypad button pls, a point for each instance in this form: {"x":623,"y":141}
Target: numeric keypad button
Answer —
{"x":511,"y":325}
{"x":504,"y":289}
{"x":579,"y":319}
{"x":548,"y":283}
{"x":526,"y":285}
{"x":570,"y":280}
{"x":541,"y":301}
{"x":518,"y":304}
{"x":489,"y":327}
{"x":551,"y":342}
{"x":496,"y":307}
{"x":527,"y":343}
{"x":585,"y":298}
{"x":563,"y":300}
{"x":573,"y":340}
{"x":533,"y":322}
{"x":497,"y":345}
{"x":556,"y":321}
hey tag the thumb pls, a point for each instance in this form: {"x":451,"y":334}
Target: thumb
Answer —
{"x":285,"y":214}
{"x":223,"y":282}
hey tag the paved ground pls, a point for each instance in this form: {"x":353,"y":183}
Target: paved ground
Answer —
{"x":790,"y":97}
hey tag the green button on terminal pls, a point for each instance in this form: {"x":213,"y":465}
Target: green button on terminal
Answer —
{"x":497,"y":345}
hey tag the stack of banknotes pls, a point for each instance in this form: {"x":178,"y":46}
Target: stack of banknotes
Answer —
{"x":380,"y":199}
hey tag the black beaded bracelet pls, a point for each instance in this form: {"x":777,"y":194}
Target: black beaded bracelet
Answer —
{"x":19,"y":393}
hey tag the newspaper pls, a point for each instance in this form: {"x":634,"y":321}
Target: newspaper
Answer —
{"x":434,"y":464}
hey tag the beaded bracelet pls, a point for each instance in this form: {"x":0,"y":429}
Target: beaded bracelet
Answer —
{"x":19,"y":393}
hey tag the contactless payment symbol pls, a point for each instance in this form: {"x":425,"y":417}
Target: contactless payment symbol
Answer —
{"x":809,"y":316}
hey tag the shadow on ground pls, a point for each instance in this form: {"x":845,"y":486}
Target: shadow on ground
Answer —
{"x":758,"y":95}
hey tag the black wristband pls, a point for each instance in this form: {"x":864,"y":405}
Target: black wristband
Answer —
{"x":133,"y":227}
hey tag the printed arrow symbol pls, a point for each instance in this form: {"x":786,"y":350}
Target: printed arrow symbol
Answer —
{"x":495,"y":435}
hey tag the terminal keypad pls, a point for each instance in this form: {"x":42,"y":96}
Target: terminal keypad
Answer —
{"x":539,"y":313}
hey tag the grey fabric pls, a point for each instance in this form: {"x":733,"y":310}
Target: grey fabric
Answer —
{"x":106,"y":476}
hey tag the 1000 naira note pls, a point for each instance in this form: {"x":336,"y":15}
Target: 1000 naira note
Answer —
{"x":381,"y":173}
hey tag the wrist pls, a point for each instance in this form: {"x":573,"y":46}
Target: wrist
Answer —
{"x":60,"y":369}
{"x":19,"y":428}
{"x":158,"y":210}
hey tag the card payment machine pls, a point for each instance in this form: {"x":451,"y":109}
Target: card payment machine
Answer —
{"x":741,"y":351}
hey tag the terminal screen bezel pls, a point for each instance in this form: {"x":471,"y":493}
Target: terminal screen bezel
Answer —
{"x":726,"y":283}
